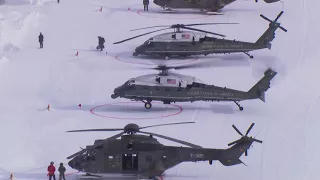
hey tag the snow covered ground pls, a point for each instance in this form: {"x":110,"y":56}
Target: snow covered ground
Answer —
{"x":31,"y":78}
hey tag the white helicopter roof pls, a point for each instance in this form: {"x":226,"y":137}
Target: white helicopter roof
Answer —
{"x":170,"y":80}
{"x":186,"y":36}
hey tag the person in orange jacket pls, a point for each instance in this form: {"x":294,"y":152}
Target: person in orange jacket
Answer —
{"x":51,"y":171}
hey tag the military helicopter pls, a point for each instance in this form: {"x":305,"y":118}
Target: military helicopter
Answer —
{"x":143,"y":156}
{"x":211,"y":6}
{"x":197,"y":42}
{"x":172,"y":87}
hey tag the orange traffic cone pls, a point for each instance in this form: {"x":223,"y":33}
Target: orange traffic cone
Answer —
{"x":100,"y":9}
{"x":48,"y":108}
{"x":77,"y":54}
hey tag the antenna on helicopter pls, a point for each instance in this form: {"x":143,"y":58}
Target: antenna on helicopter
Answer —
{"x":177,"y":28}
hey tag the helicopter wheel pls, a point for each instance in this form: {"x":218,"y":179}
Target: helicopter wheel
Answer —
{"x":147,"y":105}
{"x":241,"y":108}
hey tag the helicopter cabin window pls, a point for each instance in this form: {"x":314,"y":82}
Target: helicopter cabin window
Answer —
{"x":174,"y":36}
{"x":130,"y":162}
{"x":158,"y":79}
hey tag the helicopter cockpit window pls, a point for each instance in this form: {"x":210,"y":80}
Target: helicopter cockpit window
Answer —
{"x":174,"y":36}
{"x":158,"y":79}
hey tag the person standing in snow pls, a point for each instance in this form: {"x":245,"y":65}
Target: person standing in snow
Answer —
{"x":62,"y":170}
{"x":100,"y":43}
{"x":145,"y":5}
{"x":40,"y":37}
{"x":58,"y":1}
{"x":51,"y":171}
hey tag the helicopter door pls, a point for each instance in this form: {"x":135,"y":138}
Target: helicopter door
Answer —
{"x":130,"y":163}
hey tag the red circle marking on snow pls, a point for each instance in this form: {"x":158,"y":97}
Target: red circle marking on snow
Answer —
{"x":154,"y":117}
{"x":117,"y":57}
{"x":139,"y":12}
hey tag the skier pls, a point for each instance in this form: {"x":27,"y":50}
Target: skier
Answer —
{"x":62,"y":170}
{"x":41,"y":40}
{"x":51,"y":170}
{"x":100,"y":43}
{"x":145,"y":5}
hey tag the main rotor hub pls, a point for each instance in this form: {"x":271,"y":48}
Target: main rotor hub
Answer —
{"x":131,"y":128}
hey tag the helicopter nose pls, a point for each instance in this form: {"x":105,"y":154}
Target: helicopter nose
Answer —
{"x":116,"y":93}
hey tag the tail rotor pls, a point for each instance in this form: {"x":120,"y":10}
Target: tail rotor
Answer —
{"x":244,"y":138}
{"x":272,"y":23}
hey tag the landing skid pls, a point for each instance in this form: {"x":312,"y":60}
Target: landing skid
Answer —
{"x":240,"y":107}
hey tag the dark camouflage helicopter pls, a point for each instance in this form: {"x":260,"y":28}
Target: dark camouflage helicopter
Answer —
{"x":187,"y":43}
{"x":211,"y":6}
{"x":171,"y":87}
{"x":143,"y":156}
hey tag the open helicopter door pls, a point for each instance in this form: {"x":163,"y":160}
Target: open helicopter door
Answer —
{"x":129,"y":163}
{"x":112,"y":163}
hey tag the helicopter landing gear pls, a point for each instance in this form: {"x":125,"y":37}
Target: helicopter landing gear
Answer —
{"x":167,"y":57}
{"x":135,"y":54}
{"x":240,"y":107}
{"x":147,"y":104}
{"x":251,"y":57}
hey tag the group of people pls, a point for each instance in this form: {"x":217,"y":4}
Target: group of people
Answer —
{"x":52,"y":169}
{"x":145,"y":5}
{"x":100,"y":46}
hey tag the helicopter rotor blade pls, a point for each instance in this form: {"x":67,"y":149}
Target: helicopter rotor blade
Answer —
{"x":165,"y":124}
{"x":172,"y":139}
{"x":140,"y":35}
{"x":234,"y":142}
{"x":234,"y":127}
{"x":76,"y":154}
{"x":149,"y":27}
{"x":89,"y":130}
{"x":200,"y":24}
{"x":249,"y":129}
{"x":108,"y":139}
{"x":181,"y":25}
{"x":194,"y":29}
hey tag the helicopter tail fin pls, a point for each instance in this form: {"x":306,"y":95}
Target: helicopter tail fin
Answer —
{"x":259,"y":89}
{"x":268,"y":36}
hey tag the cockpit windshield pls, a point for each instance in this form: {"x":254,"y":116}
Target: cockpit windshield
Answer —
{"x":129,"y":82}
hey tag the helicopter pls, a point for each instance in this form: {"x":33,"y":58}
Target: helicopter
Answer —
{"x":198,"y":42}
{"x":211,"y":6}
{"x":172,"y":87}
{"x":143,"y":156}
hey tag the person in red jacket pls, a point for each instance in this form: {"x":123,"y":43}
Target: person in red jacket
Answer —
{"x":51,"y":171}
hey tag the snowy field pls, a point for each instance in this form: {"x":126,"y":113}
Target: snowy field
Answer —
{"x":31,"y":78}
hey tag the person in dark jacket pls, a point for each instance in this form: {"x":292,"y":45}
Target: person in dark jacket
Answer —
{"x":51,"y":171}
{"x":100,"y":43}
{"x":62,"y":171}
{"x":145,"y":5}
{"x":40,"y":37}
